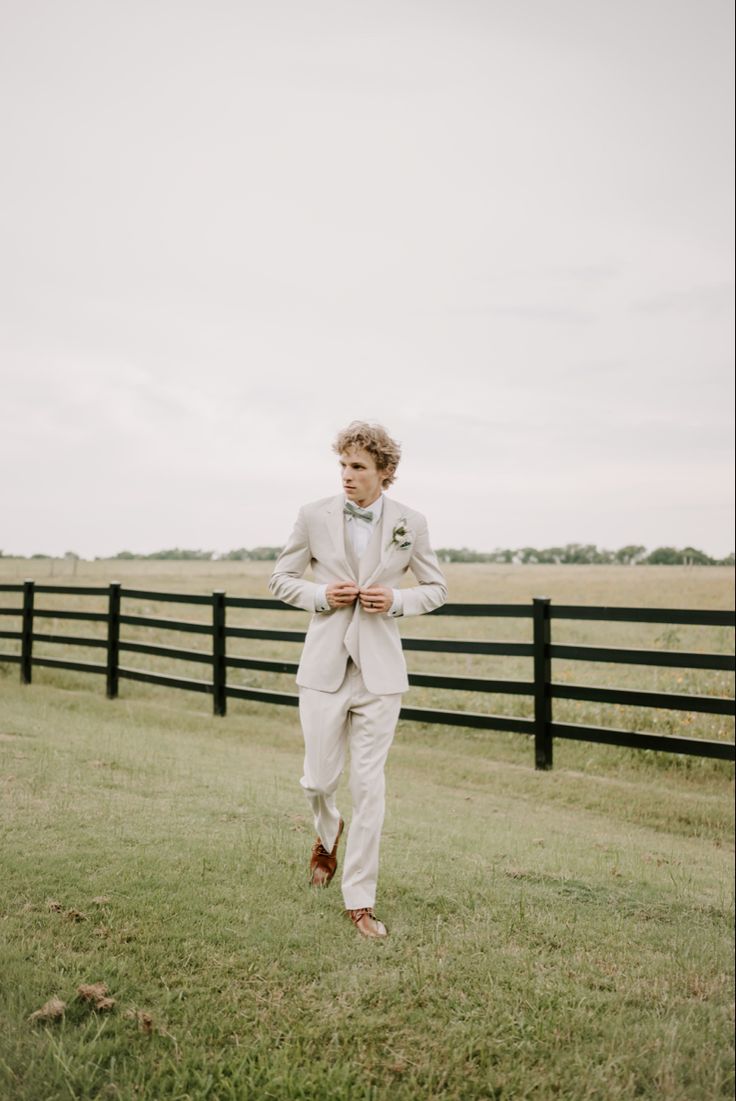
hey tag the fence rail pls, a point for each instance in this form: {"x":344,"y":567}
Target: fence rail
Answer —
{"x":542,"y":650}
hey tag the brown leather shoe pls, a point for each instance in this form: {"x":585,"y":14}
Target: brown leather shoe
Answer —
{"x":322,"y":865}
{"x":367,"y":924}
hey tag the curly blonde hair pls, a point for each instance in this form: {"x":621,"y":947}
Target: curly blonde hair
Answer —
{"x":374,"y":439}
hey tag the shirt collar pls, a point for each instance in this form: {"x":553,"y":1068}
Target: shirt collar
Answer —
{"x":376,"y":508}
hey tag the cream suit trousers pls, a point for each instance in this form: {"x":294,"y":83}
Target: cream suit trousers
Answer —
{"x":330,"y":722}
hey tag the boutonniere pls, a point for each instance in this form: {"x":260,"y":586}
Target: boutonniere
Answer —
{"x":401,"y":536}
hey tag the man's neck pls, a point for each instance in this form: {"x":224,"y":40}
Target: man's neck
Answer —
{"x":366,"y":504}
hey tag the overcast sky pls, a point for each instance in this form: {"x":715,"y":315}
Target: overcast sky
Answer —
{"x":502,"y":229}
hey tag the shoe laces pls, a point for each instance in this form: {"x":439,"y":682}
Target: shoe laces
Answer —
{"x":356,"y":915}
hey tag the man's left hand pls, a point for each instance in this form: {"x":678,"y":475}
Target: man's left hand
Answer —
{"x":377,"y":599}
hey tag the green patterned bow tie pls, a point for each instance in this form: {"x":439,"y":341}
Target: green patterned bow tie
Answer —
{"x":358,"y":513}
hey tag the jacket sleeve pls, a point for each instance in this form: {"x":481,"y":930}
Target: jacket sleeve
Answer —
{"x":286,"y":582}
{"x":431,"y":592}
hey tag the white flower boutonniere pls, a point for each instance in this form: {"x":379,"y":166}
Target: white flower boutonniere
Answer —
{"x":401,"y":536}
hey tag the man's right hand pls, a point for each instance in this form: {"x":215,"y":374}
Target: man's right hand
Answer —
{"x":342,"y":595}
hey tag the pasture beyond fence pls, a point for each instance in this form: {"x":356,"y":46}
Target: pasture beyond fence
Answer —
{"x":541,"y":648}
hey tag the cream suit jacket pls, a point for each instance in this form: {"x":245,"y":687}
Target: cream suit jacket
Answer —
{"x":318,"y":540}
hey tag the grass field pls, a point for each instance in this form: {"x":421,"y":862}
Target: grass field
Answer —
{"x":553,"y":935}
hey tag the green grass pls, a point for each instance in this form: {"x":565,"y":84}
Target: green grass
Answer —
{"x":553,"y":935}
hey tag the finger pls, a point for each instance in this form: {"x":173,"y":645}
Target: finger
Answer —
{"x":373,"y":606}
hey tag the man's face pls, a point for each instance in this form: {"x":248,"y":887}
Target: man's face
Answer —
{"x":361,"y":479}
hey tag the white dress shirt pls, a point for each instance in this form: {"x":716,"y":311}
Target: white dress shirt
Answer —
{"x":360,"y":533}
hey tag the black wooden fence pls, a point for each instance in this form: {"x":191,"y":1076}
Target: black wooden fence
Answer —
{"x":541,"y":649}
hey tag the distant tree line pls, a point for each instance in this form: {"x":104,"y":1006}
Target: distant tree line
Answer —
{"x":242,"y":554}
{"x":587,"y":554}
{"x":572,"y":554}
{"x":175,"y":553}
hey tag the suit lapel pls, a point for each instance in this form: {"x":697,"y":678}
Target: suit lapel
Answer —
{"x":350,"y":554}
{"x":372,"y":554}
{"x":391,"y":514}
{"x":336,"y":526}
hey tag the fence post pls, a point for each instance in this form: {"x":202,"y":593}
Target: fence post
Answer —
{"x":113,"y":639}
{"x":219,"y":696}
{"x":26,"y":643}
{"x":542,"y":678}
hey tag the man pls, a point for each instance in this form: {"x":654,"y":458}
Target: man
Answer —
{"x":352,"y":672}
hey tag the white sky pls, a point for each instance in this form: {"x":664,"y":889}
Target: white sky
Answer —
{"x":504,"y":230}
